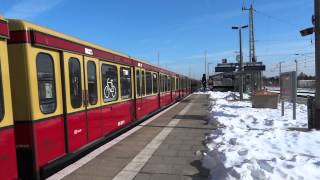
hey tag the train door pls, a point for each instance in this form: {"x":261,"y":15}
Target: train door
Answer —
{"x":156,"y":87}
{"x":111,"y":105}
{"x":163,"y":86}
{"x":92,"y":102}
{"x":140,"y":91}
{"x":7,"y":143}
{"x":75,"y":110}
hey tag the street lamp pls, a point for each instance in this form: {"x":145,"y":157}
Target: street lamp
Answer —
{"x":241,"y":59}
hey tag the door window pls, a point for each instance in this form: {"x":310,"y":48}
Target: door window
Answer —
{"x":149,"y":83}
{"x":109,"y":75}
{"x":138,"y":82}
{"x":143,"y":87}
{"x":75,"y":82}
{"x":46,"y":84}
{"x":92,"y":83}
{"x":125,"y":81}
{"x":155,"y":82}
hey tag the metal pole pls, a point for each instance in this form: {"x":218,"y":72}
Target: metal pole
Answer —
{"x":208,"y":69}
{"x":317,"y":62}
{"x":241,"y":65}
{"x":282,"y":102}
{"x":279,"y":73}
{"x":205,"y":63}
{"x":296,"y":66}
{"x":282,"y":108}
{"x":294,"y":103}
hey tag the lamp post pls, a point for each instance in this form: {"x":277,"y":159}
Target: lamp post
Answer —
{"x":205,"y":64}
{"x":241,"y":59}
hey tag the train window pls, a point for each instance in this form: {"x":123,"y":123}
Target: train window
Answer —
{"x":168,"y":83}
{"x":173,"y":83}
{"x":138,"y":83}
{"x":177,"y":83}
{"x":109,"y":82}
{"x":143,"y":87}
{"x":162,"y":83}
{"x":92,"y":82}
{"x":182,"y":85}
{"x":149,"y":83}
{"x":46,"y":84}
{"x":125,"y":81}
{"x":155,"y":82}
{"x":75,"y":82}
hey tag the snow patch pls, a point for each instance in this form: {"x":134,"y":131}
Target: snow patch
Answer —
{"x":257,"y":143}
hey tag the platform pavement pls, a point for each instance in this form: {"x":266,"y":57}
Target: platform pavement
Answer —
{"x":174,"y":155}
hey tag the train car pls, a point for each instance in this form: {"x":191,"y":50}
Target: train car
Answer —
{"x":8,"y":163}
{"x":147,"y":90}
{"x":195,"y":85}
{"x":65,"y":95}
{"x":222,"y":82}
{"x":70,"y":95}
{"x":175,"y":88}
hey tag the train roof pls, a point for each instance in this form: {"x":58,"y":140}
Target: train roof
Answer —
{"x":21,"y":25}
{"x":37,"y":34}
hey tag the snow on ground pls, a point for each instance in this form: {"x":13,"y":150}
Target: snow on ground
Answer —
{"x":305,"y":90}
{"x":258,"y":144}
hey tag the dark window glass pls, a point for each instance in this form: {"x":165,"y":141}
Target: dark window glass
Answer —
{"x":92,"y":82}
{"x":167,"y":83}
{"x":75,"y":82}
{"x":182,"y":84}
{"x":109,"y":76}
{"x":149,"y":83}
{"x":155,"y":82}
{"x":143,"y":87}
{"x":46,"y":84}
{"x":174,"y":83}
{"x":162,"y":83}
{"x":177,"y":83}
{"x":138,"y":82}
{"x":125,"y":81}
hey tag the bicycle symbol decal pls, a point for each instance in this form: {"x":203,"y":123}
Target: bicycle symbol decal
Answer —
{"x":110,"y":90}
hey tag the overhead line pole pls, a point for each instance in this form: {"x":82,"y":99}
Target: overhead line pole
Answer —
{"x":252,"y":51}
{"x":317,"y":61}
{"x":256,"y":77}
{"x":205,"y":63}
{"x":241,"y":66}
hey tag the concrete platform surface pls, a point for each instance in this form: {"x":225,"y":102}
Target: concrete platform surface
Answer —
{"x":167,"y":147}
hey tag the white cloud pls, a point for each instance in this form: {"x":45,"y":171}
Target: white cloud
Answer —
{"x":30,"y":8}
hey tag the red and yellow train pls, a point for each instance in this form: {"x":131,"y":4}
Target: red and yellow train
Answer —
{"x":61,"y":97}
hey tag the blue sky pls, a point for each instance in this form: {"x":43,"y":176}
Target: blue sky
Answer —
{"x":180,"y":30}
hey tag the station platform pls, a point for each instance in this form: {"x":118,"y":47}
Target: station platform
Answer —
{"x":165,"y":146}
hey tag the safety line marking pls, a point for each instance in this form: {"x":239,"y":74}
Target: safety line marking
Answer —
{"x":73,"y":167}
{"x":132,"y":169}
